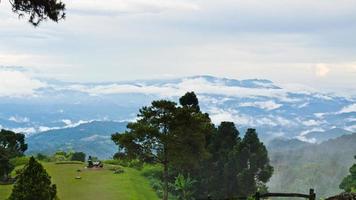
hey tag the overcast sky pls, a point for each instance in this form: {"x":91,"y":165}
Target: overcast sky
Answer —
{"x":287,"y":41}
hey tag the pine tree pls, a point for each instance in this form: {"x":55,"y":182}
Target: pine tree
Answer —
{"x":33,"y":184}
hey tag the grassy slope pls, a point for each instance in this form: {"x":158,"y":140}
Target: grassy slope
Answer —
{"x":95,"y":184}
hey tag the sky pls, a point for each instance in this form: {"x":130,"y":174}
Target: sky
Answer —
{"x":296,"y":41}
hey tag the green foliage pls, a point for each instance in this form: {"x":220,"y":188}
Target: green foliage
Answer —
{"x":348,"y":184}
{"x":114,"y":162}
{"x":190,"y":100}
{"x":237,"y":167}
{"x":78,"y":156}
{"x":11,"y":145}
{"x":33,"y":184}
{"x":184,"y":187}
{"x":19,"y":161}
{"x":43,"y":157}
{"x":39,"y":10}
{"x":319,"y":166}
{"x":174,"y":136}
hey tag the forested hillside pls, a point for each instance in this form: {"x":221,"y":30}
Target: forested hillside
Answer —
{"x":319,"y":166}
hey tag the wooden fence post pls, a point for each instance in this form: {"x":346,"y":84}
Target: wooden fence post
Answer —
{"x":311,"y":194}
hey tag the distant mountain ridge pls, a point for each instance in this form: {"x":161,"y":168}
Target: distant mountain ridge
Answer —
{"x":274,"y":110}
{"x":93,"y":138}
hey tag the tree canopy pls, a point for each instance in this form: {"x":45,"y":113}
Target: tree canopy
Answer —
{"x":33,"y":183}
{"x":11,"y":145}
{"x":39,"y":10}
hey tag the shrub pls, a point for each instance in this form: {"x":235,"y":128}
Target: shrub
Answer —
{"x":114,"y":162}
{"x":78,"y":156}
{"x":43,"y":157}
{"x":33,"y":183}
{"x":137,"y":164}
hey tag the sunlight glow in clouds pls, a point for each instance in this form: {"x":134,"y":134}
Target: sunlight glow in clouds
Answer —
{"x":321,"y":70}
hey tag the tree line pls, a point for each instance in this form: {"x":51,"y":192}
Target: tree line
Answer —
{"x":218,"y":162}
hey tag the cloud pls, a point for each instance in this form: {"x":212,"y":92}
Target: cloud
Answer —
{"x":24,"y":130}
{"x":312,"y":123}
{"x":70,"y":124}
{"x":266,"y":105}
{"x":351,"y":128}
{"x":348,"y":109}
{"x":303,"y":135}
{"x":218,"y":115}
{"x":321,"y":70}
{"x":19,"y":119}
{"x":17,"y":83}
{"x":199,"y":85}
{"x":119,"y":7}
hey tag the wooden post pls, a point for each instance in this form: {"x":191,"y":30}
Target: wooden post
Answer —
{"x":311,"y":194}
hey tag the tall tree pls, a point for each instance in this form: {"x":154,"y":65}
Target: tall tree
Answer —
{"x":222,"y":182}
{"x":175,"y":136}
{"x":39,"y":10}
{"x":151,"y":136}
{"x":237,"y":167}
{"x":33,"y":184}
{"x":11,"y":145}
{"x":348,"y":184}
{"x":253,"y":163}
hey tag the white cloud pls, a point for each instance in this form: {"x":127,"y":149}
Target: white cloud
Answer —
{"x":266,"y":105}
{"x":348,"y":109}
{"x":19,"y":119}
{"x":17,"y":83}
{"x":303,"y":135}
{"x":24,"y":130}
{"x":199,"y":85}
{"x":70,"y":124}
{"x":218,"y":115}
{"x":321,"y":70}
{"x":304,"y":139}
{"x":306,"y":132}
{"x":116,"y":7}
{"x":351,"y":128}
{"x":311,"y":123}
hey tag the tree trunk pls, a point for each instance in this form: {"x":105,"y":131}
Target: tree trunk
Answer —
{"x":165,"y":179}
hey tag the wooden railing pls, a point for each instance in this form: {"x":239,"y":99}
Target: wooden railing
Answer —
{"x":310,"y":196}
{"x":259,"y":196}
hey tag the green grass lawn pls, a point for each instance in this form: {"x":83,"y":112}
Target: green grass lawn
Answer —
{"x":95,"y":183}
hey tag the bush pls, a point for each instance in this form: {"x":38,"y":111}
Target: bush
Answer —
{"x":78,"y":156}
{"x":114,"y":162}
{"x":43,"y":157}
{"x":136,"y":164}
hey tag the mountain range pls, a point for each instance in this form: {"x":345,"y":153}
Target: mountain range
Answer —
{"x":275,"y":110}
